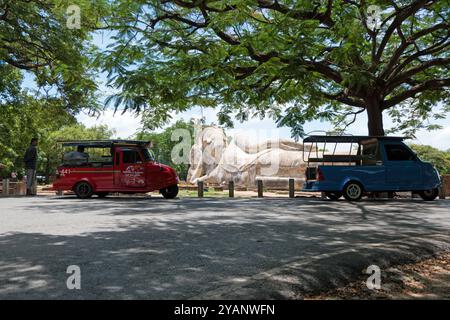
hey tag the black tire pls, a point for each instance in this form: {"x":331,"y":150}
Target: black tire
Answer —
{"x":353,"y":191}
{"x":102,"y":194}
{"x":333,"y":195}
{"x":429,"y":195}
{"x":170,"y":192}
{"x":83,"y":190}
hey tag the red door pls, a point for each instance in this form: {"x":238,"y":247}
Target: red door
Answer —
{"x":130,"y":168}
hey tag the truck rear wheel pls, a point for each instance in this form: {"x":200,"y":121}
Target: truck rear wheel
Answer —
{"x":83,"y":190}
{"x":353,"y":191}
{"x":333,"y":195}
{"x":429,"y":195}
{"x":170,"y":192}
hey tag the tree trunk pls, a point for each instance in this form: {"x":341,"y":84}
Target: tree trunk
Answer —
{"x":375,"y":118}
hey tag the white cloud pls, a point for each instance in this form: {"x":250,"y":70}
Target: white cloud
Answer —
{"x":125,"y":124}
{"x":439,"y":138}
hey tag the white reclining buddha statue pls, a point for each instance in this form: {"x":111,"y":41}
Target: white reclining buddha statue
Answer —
{"x":216,"y":159}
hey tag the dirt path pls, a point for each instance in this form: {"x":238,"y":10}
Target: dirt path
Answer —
{"x":427,"y":279}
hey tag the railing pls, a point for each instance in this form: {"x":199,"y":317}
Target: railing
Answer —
{"x":444,"y":191}
{"x":12,"y":188}
{"x":259,"y":184}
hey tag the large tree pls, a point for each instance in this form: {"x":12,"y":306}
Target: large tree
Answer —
{"x":293,"y":60}
{"x":39,"y":37}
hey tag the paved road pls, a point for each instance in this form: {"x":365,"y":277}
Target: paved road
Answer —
{"x":206,"y":248}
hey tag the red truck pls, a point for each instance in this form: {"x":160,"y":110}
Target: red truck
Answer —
{"x":103,"y":166}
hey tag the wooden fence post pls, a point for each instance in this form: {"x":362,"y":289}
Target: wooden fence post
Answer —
{"x":200,"y":189}
{"x":291,"y":188}
{"x":231,"y":189}
{"x":5,"y":187}
{"x":442,"y":189}
{"x":260,"y":188}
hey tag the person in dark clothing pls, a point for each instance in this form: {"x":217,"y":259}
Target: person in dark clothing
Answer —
{"x":30,"y":160}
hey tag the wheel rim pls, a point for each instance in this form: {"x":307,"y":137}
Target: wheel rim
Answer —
{"x":428,"y":193}
{"x":353,"y":191}
{"x":83,"y":189}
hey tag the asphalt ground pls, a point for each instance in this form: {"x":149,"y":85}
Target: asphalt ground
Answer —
{"x":210,"y":248}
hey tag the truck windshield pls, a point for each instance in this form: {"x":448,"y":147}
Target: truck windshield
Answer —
{"x":148,"y":156}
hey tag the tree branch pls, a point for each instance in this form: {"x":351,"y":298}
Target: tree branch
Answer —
{"x":407,"y":42}
{"x":434,"y":84}
{"x":401,"y":78}
{"x":400,"y":16}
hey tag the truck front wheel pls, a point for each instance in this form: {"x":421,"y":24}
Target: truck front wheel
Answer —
{"x":353,"y":191}
{"x":429,"y":195}
{"x":170,"y":192}
{"x":83,"y":190}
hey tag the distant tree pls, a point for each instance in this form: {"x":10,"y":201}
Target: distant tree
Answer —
{"x":292,"y":60}
{"x":26,"y":117}
{"x":440,"y":159}
{"x":51,"y":152}
{"x":163,"y":145}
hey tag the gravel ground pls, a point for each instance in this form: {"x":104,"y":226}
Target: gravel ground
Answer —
{"x":427,"y":279}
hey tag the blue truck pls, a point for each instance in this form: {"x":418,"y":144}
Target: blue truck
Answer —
{"x":371,"y":164}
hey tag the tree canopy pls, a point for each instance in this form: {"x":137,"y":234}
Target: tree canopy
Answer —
{"x":25,"y":119}
{"x":35,"y":38}
{"x":292,"y":60}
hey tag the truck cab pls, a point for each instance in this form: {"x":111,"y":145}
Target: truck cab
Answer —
{"x":105,"y":166}
{"x":371,"y":164}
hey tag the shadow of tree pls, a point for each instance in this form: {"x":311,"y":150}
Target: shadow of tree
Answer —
{"x":219,"y":248}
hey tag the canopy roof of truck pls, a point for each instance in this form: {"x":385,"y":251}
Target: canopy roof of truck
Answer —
{"x":102,"y":143}
{"x":348,"y":139}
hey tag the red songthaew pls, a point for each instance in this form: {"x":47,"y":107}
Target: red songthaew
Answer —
{"x":103,"y":166}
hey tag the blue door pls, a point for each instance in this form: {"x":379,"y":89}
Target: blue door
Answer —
{"x":403,"y":170}
{"x":373,"y":172}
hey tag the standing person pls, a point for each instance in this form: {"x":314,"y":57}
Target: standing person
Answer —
{"x":30,"y":160}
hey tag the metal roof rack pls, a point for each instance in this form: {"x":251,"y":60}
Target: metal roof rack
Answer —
{"x":347,"y":139}
{"x":101,"y":143}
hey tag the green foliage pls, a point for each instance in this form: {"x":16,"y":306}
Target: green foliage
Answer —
{"x":440,"y":159}
{"x":27,"y":117}
{"x":293,"y":61}
{"x":50,"y":152}
{"x":35,"y":37}
{"x":163,"y":145}
{"x":24,"y":119}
